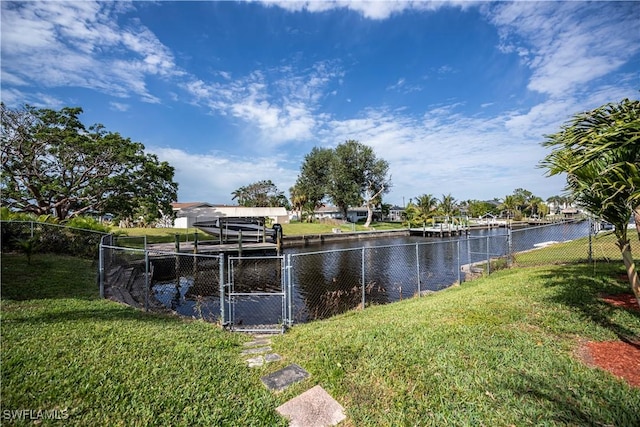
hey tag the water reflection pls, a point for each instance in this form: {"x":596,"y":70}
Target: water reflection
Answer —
{"x":328,"y":279}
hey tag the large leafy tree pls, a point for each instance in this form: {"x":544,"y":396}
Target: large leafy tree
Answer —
{"x":313,"y":182}
{"x":357,"y":177}
{"x":477,"y":208}
{"x":260,"y":194}
{"x":349,"y":175}
{"x":53,"y":164}
{"x":600,"y":153}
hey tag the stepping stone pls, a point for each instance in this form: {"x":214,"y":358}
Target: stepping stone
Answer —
{"x":272,"y":357}
{"x":256,"y":362}
{"x":257,"y":343}
{"x":313,"y":408}
{"x":262,"y":336}
{"x":283,"y":378}
{"x":257,"y":350}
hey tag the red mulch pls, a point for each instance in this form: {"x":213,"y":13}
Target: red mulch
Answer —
{"x":619,"y":358}
{"x":627,"y":301}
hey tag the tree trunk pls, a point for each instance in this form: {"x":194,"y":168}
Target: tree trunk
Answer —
{"x":636,"y":217}
{"x":632,"y":273}
{"x":369,"y":216}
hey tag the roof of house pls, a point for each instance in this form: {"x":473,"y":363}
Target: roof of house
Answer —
{"x":186,"y":205}
{"x":207,"y":210}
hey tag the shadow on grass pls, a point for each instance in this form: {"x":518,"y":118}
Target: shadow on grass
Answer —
{"x":81,"y":311}
{"x":48,"y":276}
{"x":570,"y":405}
{"x":580,"y":288}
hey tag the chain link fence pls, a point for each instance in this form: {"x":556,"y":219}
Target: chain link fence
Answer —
{"x":188,"y":284}
{"x":271,"y":292}
{"x":326,"y":283}
{"x":331,"y":282}
{"x":44,"y":237}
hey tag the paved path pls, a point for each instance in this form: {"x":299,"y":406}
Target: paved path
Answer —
{"x":313,"y":408}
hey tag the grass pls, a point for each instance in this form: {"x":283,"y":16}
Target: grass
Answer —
{"x":167,"y":235}
{"x":496,"y":351}
{"x":106,"y":364}
{"x":604,"y":249}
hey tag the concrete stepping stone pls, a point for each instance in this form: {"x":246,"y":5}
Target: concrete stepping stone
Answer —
{"x":313,"y":408}
{"x":256,"y":350}
{"x":257,"y":343}
{"x":283,"y":378}
{"x":256,"y":362}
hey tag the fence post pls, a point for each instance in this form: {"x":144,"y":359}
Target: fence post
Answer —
{"x":459,"y":266}
{"x":488,"y":257}
{"x":591,"y":229}
{"x":418,"y":267}
{"x":221,"y":285}
{"x":469,"y":261}
{"x":509,"y":248}
{"x":146,"y":279}
{"x":289,"y":291}
{"x":363,"y":278}
{"x":101,"y":269}
{"x":31,"y":223}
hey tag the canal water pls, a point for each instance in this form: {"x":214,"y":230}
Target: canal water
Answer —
{"x":334,"y":277}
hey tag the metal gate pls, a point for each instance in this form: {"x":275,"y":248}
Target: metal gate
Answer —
{"x":256,"y":296}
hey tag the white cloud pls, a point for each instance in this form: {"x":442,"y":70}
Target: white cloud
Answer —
{"x":568,"y":44}
{"x":13,"y":97}
{"x":80,"y":44}
{"x":403,"y":87}
{"x":372,"y":9}
{"x":213,"y":177}
{"x":280,"y":104}
{"x":119,"y":106}
{"x":446,"y":151}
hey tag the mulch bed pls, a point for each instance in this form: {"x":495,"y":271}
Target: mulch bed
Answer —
{"x":621,"y":359}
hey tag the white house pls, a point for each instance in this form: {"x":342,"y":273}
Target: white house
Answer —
{"x":333,"y":212}
{"x":188,"y":213}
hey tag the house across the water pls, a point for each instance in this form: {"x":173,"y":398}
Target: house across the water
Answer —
{"x":189,"y":213}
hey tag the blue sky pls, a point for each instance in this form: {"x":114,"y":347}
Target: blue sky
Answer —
{"x":456,"y":96}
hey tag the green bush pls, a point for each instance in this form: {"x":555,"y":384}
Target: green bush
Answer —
{"x":87,"y":223}
{"x":79,"y":236}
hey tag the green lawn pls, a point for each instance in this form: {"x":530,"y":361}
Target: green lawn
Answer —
{"x":603,"y":247}
{"x":106,"y":364}
{"x":165,"y":235}
{"x":496,"y":351}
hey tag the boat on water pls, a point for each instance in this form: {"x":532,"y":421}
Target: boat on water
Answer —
{"x":247,"y":229}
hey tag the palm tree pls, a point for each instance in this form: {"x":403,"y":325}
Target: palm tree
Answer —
{"x":532,"y":205}
{"x":240,"y":194}
{"x":509,"y":204}
{"x":447,"y":206}
{"x":556,"y":201}
{"x":426,"y":205}
{"x":298,"y":200}
{"x":600,"y":153}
